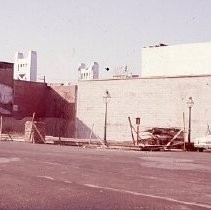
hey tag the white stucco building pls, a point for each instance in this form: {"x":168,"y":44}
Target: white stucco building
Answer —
{"x":184,"y":59}
{"x":25,"y":68}
{"x":88,"y":73}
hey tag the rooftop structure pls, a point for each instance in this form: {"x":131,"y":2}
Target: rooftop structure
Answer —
{"x":88,"y":73}
{"x":25,"y":68}
{"x":122,"y":72}
{"x":185,"y":59}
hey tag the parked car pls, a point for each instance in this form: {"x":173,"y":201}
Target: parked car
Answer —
{"x":202,"y":143}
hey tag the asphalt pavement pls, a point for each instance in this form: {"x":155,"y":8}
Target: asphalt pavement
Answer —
{"x":34,"y":176}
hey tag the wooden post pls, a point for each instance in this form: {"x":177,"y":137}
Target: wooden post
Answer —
{"x":40,"y":135}
{"x":102,"y":142}
{"x":1,"y":128}
{"x":208,"y":129}
{"x":184,"y":130}
{"x":131,"y":130}
{"x":30,"y":135}
{"x":90,"y":136}
{"x":137,"y":134}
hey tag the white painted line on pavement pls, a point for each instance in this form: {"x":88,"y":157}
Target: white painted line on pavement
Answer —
{"x":46,"y":177}
{"x":51,"y":163}
{"x":8,"y":160}
{"x":69,"y":182}
{"x":150,"y":196}
{"x":51,"y":178}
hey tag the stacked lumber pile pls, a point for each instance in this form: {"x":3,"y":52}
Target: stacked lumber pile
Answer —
{"x":164,"y":136}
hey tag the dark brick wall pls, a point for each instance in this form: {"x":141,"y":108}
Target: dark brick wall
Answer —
{"x":6,"y":92}
{"x":61,"y":106}
{"x":6,"y":73}
{"x":56,"y":105}
{"x":60,"y":101}
{"x":29,"y":97}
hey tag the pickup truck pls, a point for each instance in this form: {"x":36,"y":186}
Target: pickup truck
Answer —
{"x":202,"y":143}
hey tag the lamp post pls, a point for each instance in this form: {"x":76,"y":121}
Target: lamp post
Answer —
{"x":106,"y":98}
{"x":190,"y":104}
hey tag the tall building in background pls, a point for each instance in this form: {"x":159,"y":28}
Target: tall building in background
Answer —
{"x":25,"y":68}
{"x":88,"y":73}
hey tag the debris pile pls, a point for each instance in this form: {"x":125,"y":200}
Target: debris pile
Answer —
{"x":170,"y":137}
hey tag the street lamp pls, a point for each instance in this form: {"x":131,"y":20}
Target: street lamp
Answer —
{"x":106,"y":98}
{"x":190,"y":104}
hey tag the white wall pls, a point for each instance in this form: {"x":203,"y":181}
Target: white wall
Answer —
{"x":88,"y":73}
{"x":25,"y":68}
{"x":187,"y":59}
{"x":158,"y":102}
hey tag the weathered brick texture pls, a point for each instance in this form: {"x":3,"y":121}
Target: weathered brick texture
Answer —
{"x":6,"y":73}
{"x":6,"y":88}
{"x":55,"y":105}
{"x":29,"y":97}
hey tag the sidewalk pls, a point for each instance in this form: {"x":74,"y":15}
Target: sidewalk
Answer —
{"x":87,"y":143}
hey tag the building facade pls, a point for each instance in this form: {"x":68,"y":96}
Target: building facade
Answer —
{"x":25,"y":68}
{"x":6,"y":88}
{"x":88,"y":73}
{"x":159,"y":102}
{"x":184,"y":59}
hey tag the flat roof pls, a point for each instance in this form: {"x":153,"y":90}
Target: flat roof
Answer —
{"x":6,"y":65}
{"x":151,"y":77}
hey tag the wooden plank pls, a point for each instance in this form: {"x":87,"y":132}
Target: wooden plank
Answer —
{"x":39,"y":133}
{"x":90,"y":136}
{"x":10,"y":137}
{"x":30,"y":135}
{"x":101,"y":141}
{"x":131,"y":130}
{"x":183,"y":117}
{"x":208,"y":129}
{"x":177,"y":134}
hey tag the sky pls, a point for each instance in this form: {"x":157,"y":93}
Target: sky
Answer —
{"x":66,"y":33}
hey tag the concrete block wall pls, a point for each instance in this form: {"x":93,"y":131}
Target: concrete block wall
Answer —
{"x":159,"y":102}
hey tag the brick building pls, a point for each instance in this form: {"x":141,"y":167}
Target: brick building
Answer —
{"x":6,"y":88}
